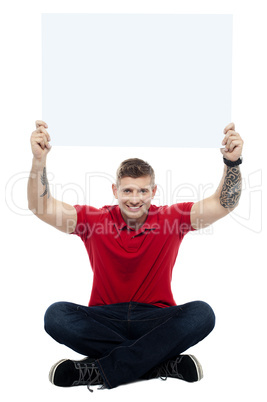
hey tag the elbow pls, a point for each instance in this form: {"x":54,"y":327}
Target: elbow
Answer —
{"x":233,"y":207}
{"x":32,"y":208}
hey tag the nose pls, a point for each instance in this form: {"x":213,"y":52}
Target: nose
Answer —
{"x":135,"y":199}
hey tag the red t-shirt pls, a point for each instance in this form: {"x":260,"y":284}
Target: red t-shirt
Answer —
{"x":131,"y":265}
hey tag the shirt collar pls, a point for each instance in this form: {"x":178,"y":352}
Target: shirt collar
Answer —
{"x":149,"y":224}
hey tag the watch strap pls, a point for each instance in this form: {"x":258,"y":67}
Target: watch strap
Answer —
{"x":232,"y":164}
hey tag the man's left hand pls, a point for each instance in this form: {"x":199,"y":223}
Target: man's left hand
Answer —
{"x":233,"y":143}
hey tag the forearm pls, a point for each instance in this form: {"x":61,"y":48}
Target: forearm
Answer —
{"x":56,"y":213}
{"x":39,"y":196}
{"x":229,"y":191}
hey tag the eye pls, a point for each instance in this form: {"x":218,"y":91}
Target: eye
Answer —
{"x":144,"y":190}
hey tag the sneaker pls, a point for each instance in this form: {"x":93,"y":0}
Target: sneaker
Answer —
{"x":69,"y":373}
{"x":184,"y":367}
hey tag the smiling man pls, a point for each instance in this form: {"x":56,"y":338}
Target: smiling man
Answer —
{"x":132,"y":328}
{"x":134,"y":193}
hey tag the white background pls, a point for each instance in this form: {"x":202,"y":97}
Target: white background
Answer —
{"x":224,"y":266}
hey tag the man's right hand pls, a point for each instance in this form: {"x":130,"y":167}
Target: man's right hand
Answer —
{"x":40,"y":140}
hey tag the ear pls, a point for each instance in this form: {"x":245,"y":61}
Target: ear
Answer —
{"x":154,"y":191}
{"x":115,"y":190}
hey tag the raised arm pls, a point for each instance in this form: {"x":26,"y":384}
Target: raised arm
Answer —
{"x":54,"y":212}
{"x":226,"y":197}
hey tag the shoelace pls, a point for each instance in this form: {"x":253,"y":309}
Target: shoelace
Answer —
{"x":88,"y":375}
{"x":169,"y":369}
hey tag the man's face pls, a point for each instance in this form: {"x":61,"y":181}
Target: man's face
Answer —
{"x":134,"y":197}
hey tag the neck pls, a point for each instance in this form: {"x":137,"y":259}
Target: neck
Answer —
{"x":134,"y":223}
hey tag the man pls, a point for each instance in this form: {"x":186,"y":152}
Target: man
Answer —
{"x":132,"y":328}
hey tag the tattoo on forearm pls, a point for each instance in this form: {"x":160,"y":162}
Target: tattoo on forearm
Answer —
{"x":44,"y":182}
{"x":231,"y":190}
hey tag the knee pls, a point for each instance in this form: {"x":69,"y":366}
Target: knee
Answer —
{"x":206,"y":315}
{"x":200,"y":315}
{"x":53,"y":317}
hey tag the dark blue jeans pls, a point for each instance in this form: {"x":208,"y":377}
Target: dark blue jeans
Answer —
{"x":129,"y":339}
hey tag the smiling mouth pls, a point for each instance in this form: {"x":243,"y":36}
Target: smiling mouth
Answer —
{"x":134,"y":208}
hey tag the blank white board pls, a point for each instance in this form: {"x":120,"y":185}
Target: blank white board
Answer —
{"x":136,"y":79}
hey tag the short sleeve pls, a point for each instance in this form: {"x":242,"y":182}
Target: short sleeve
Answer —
{"x":87,"y":216}
{"x":182,"y":212}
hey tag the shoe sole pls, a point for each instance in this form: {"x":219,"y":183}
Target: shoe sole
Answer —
{"x":198,"y":367}
{"x":52,"y":371}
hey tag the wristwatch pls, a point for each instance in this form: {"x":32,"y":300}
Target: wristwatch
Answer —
{"x":232,"y":164}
